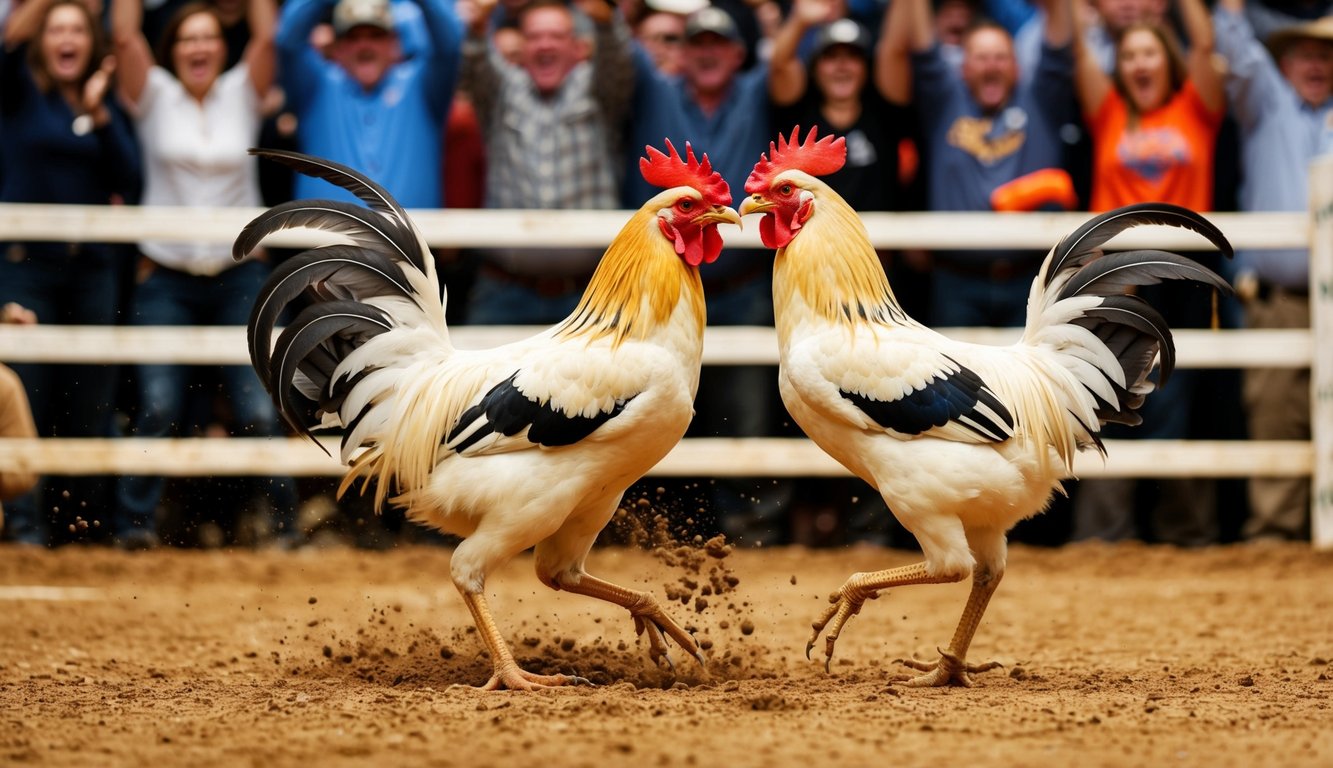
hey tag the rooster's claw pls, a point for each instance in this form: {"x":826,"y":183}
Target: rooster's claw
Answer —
{"x":653,"y":621}
{"x":844,"y":604}
{"x":514,"y":679}
{"x":950,"y":669}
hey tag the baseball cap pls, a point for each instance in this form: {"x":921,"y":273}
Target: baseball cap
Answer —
{"x":841,"y":32}
{"x":683,"y":7}
{"x":362,"y":13}
{"x":714,"y":20}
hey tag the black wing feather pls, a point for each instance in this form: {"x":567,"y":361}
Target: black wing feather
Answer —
{"x":507,"y":411}
{"x":949,"y":396}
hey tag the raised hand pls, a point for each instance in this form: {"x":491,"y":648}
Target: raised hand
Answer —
{"x":95,"y":90}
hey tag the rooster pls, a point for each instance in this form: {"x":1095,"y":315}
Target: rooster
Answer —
{"x":527,"y":445}
{"x":962,"y":440}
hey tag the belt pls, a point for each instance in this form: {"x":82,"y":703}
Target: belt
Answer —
{"x":1266,"y":291}
{"x":994,"y":269}
{"x":545,"y":286}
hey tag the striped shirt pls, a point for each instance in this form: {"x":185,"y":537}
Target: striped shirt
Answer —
{"x":558,"y":152}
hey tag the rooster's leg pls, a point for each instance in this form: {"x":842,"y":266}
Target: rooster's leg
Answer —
{"x":846,"y":602}
{"x":506,"y":672}
{"x":643,"y":607}
{"x":952,"y":667}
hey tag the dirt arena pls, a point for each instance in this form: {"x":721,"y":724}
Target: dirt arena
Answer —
{"x":1113,"y":655}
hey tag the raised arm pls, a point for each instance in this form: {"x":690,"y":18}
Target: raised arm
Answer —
{"x":446,"y":35}
{"x":261,"y":53}
{"x":1091,"y":82}
{"x":23,"y":21}
{"x":921,"y":28}
{"x":1059,"y":24}
{"x":1208,"y":79}
{"x":612,"y":61}
{"x":134,"y":57}
{"x":299,"y":64}
{"x":1253,"y":82}
{"x":893,"y":53}
{"x":480,"y":74}
{"x":786,"y":71}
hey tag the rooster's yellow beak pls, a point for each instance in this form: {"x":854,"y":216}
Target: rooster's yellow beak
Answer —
{"x":756,"y":204}
{"x":721,"y":214}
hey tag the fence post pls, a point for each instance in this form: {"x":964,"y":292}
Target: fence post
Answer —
{"x":1321,"y":364}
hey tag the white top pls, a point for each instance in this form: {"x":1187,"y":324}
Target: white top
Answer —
{"x":195,"y":155}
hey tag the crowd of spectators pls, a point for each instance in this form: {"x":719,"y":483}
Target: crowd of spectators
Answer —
{"x":946,"y":105}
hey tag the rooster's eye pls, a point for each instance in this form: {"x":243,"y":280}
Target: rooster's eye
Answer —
{"x":686,"y":205}
{"x":785,"y":190}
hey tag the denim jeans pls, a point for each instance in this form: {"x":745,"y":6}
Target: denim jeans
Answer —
{"x":65,"y":285}
{"x":965,"y":301}
{"x":494,"y":301}
{"x":743,"y":401}
{"x":168,"y":297}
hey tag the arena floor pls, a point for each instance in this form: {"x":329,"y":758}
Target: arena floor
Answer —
{"x":1113,"y":655}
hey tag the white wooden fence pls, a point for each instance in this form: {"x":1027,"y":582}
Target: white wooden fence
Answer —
{"x":723,"y":346}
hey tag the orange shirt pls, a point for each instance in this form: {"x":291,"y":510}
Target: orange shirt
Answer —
{"x":1167,"y":158}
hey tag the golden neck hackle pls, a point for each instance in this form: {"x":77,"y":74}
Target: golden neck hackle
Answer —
{"x":833,"y":268}
{"x":636,"y":287}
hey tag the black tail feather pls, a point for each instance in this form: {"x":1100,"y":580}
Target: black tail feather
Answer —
{"x":1094,"y":233}
{"x":363,"y":226}
{"x":365,"y":189}
{"x":309,"y":271}
{"x":1133,"y":331}
{"x":1138,"y":315}
{"x":1116,"y":272}
{"x":311,"y":331}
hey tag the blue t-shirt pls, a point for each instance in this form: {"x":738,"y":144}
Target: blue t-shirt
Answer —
{"x":733,"y":137}
{"x":968,"y":154}
{"x":393,"y":133}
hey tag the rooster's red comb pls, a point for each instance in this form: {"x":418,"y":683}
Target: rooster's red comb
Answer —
{"x":817,"y":158}
{"x":669,"y":170}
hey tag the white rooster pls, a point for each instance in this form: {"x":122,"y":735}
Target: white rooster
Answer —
{"x":527,"y":445}
{"x":962,"y":440}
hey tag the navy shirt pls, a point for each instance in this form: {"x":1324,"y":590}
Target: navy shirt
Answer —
{"x":44,"y":161}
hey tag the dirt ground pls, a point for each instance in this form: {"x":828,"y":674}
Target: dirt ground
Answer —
{"x":1113,"y":655}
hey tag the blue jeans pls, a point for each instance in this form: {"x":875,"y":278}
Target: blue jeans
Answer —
{"x":65,"y":285}
{"x":743,"y":401}
{"x":967,"y":301}
{"x":495,"y":301}
{"x":168,"y":297}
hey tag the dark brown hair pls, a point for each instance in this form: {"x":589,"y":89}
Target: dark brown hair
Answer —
{"x":1175,"y":60}
{"x":169,"y":33}
{"x":37,"y":66}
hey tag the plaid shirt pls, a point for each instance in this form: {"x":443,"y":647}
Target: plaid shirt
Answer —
{"x":556,"y":153}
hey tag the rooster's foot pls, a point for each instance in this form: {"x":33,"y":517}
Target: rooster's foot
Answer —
{"x":651,"y":620}
{"x":512,"y":678}
{"x":948,"y":670}
{"x":845,"y":603}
